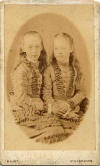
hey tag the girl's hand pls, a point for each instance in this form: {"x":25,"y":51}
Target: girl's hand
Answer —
{"x":61,"y":107}
{"x":66,"y":109}
{"x":38,"y":103}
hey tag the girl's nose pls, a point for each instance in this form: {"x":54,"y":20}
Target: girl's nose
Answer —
{"x":33,"y":49}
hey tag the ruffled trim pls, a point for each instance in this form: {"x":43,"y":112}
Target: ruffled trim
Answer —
{"x":60,"y":84}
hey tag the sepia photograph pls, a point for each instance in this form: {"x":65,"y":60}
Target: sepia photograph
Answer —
{"x":49,"y":81}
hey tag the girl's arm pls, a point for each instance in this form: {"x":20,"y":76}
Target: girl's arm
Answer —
{"x":77,"y":99}
{"x":79,"y":95}
{"x":20,"y":81}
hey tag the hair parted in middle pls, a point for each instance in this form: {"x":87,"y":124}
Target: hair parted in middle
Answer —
{"x":72,"y":59}
{"x":43,"y":56}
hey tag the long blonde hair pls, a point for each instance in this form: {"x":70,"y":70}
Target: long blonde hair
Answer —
{"x":73,"y":61}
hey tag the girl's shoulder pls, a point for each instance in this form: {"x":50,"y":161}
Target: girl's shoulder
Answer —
{"x":20,"y":69}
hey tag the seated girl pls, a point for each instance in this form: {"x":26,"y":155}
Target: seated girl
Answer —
{"x":26,"y":101}
{"x":62,"y":80}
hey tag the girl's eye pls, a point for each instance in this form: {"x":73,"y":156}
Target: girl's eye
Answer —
{"x":30,"y":47}
{"x":37,"y":46}
{"x":33,"y":47}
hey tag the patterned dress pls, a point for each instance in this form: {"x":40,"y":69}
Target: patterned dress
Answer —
{"x":26,"y":81}
{"x":60,"y":88}
{"x":56,"y":88}
{"x":27,"y":105}
{"x":60,"y":85}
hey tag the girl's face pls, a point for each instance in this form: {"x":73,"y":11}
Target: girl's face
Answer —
{"x":62,"y":49}
{"x":32,"y":46}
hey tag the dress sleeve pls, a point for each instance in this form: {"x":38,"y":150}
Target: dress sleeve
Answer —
{"x":47,"y":90}
{"x":77,"y":99}
{"x":80,"y":94}
{"x":19,"y":82}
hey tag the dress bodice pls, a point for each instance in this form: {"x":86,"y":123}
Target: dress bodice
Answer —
{"x":64,"y":80}
{"x":27,"y":80}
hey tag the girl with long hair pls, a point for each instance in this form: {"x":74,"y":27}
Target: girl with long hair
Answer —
{"x":64,"y":98}
{"x":26,"y":101}
{"x":62,"y":91}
